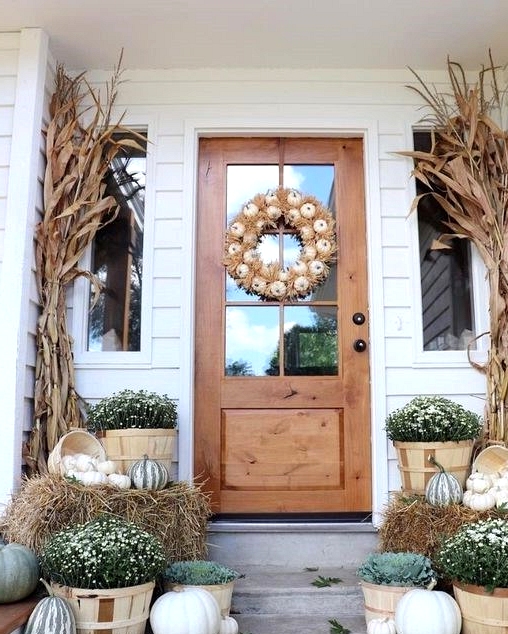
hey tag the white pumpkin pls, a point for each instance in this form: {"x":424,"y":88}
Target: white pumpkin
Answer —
{"x":84,"y":462}
{"x":69,"y":462}
{"x":228,"y":625}
{"x":466,"y":498}
{"x":479,"y":482}
{"x":481,"y":501}
{"x":381,"y":626}
{"x":93,"y":478}
{"x":187,"y":611}
{"x":427,"y":611}
{"x":502,"y":482}
{"x":120,"y":481}
{"x":106,"y":466}
{"x":501,"y":497}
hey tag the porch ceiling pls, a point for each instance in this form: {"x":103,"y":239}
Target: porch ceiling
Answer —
{"x":366,"y":34}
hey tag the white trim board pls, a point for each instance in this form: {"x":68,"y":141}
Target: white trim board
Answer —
{"x":368,"y":130}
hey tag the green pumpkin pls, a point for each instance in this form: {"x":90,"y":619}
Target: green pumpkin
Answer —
{"x":443,"y":488}
{"x":52,"y":615}
{"x":148,"y":474}
{"x":19,"y":572}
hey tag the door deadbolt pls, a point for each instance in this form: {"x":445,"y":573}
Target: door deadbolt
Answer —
{"x":360,"y":345}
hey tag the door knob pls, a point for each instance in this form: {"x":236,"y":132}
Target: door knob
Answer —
{"x":360,"y":345}
{"x":358,"y":319}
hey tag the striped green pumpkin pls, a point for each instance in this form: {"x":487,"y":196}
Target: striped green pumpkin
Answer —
{"x":52,"y":615}
{"x":443,"y":488}
{"x":148,"y":474}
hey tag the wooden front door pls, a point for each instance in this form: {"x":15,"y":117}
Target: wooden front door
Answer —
{"x":282,"y":421}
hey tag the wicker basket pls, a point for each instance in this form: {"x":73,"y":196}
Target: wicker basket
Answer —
{"x":491,"y":459}
{"x":117,"y":611}
{"x":126,"y":446}
{"x":381,"y":601}
{"x":72,"y":443}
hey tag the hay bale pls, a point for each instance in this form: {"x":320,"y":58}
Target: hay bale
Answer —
{"x":411,"y":524}
{"x":46,"y":504}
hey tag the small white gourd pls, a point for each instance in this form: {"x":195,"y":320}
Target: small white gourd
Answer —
{"x":481,"y":501}
{"x":68,"y":462}
{"x":186,"y":611}
{"x":119,"y":480}
{"x":381,"y":626}
{"x":228,"y":625}
{"x":93,"y":478}
{"x":106,"y":466}
{"x":427,"y":611}
{"x":479,"y":482}
{"x":84,"y":462}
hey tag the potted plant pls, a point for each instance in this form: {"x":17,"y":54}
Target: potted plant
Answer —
{"x":432,"y":426}
{"x":213,"y":576}
{"x":106,"y":568}
{"x":386,"y":576}
{"x":135,"y":423}
{"x":475,"y":559}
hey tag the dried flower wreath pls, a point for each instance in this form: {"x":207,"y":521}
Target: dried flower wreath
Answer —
{"x":314,"y":228}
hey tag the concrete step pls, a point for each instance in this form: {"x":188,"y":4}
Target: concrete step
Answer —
{"x":279,"y":600}
{"x":292,"y":545}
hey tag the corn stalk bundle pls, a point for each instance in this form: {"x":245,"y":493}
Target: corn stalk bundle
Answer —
{"x":78,"y":157}
{"x":467,"y":171}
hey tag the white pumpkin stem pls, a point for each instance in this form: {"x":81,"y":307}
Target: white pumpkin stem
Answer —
{"x":48,"y":587}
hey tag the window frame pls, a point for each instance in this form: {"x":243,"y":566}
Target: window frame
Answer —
{"x":78,"y":297}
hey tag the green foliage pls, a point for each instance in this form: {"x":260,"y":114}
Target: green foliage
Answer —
{"x":337,"y":628}
{"x":199,"y":572}
{"x":106,"y":552}
{"x":129,"y":409}
{"x":397,"y":569}
{"x":477,"y":554}
{"x":432,"y":419}
{"x":325,"y":582}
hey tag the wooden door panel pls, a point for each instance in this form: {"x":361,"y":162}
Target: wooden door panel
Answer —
{"x":283,"y":444}
{"x":291,"y":449}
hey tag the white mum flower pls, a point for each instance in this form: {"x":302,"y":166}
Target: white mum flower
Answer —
{"x":316,"y":267}
{"x":320,"y":226}
{"x":237,"y":229}
{"x":294,"y":198}
{"x":250,"y":210}
{"x":308,"y":210}
{"x":278,"y":289}
{"x":301,"y":284}
{"x":242,"y":270}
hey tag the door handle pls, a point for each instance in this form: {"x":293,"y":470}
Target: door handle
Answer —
{"x":360,"y":345}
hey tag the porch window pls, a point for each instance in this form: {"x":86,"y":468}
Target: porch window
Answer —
{"x":114,"y":322}
{"x":446,"y":286}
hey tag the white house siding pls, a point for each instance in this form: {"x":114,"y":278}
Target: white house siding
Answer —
{"x":179,"y":105}
{"x":23,"y":58}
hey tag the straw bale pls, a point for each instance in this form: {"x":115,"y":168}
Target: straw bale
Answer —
{"x":411,"y":524}
{"x":46,"y":504}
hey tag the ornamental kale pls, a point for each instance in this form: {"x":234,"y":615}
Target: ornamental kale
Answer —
{"x":397,"y":569}
{"x":199,"y":572}
{"x":432,"y":419}
{"x":477,"y":554}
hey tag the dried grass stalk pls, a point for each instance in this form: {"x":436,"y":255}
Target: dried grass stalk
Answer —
{"x":45,"y":504}
{"x":78,"y":157}
{"x":467,"y":171}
